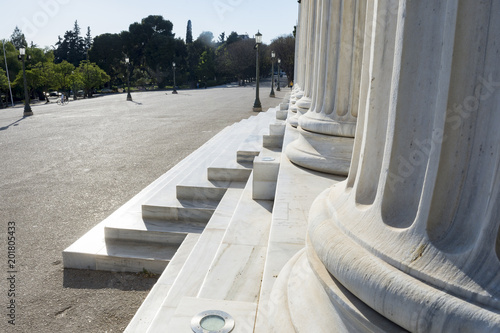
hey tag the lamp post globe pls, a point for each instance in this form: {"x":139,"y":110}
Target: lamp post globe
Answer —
{"x":129,"y":97}
{"x":272,"y":73}
{"x":175,"y":90}
{"x":256,"y":105}
{"x":27,"y":108}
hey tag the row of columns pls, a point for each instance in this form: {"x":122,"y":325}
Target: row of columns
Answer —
{"x":327,"y":109}
{"x":410,"y":241}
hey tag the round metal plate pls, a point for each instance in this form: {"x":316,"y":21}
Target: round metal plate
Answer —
{"x":228,"y":321}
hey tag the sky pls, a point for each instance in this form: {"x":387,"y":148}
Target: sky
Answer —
{"x":42,"y":21}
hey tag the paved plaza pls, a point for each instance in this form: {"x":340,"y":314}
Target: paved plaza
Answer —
{"x":67,"y":168}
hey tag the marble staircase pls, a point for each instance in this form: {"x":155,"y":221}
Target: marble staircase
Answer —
{"x":146,"y":232}
{"x":224,"y":267}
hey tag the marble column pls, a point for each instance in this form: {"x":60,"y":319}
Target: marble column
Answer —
{"x":410,"y":241}
{"x":308,"y":52}
{"x":300,"y":54}
{"x":329,"y":116}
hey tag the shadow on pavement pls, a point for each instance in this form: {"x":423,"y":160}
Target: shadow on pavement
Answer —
{"x":13,"y":124}
{"x":88,"y":279}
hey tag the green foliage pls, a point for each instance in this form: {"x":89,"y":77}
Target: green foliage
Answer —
{"x":13,"y":63}
{"x":233,"y":37}
{"x":87,"y":63}
{"x":206,"y":38}
{"x":4,"y":83}
{"x":72,"y":48}
{"x":90,"y":76}
{"x":284,"y":46}
{"x":189,"y":33}
{"x":107,"y":53}
{"x":17,"y":39}
{"x":62,"y":72}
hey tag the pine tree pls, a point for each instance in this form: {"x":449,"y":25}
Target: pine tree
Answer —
{"x":189,"y":33}
{"x":17,"y":38}
{"x":88,"y":40}
{"x":71,"y":48}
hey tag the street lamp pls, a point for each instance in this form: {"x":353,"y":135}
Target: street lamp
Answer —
{"x":272,"y":75}
{"x":256,"y":105}
{"x":129,"y":97}
{"x":73,"y":84}
{"x":27,"y":108}
{"x":279,"y":75}
{"x":173,"y":66}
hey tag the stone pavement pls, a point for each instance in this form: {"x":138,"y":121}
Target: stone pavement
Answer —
{"x":66,"y":168}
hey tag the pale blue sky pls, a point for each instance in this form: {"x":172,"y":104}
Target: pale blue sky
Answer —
{"x":43,"y":20}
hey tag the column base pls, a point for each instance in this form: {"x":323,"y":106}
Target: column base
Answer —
{"x":320,"y":123}
{"x":342,"y":262}
{"x":319,"y":152}
{"x":305,"y":298}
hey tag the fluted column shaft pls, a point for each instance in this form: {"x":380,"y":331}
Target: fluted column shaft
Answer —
{"x":414,"y":232}
{"x":301,"y":52}
{"x":336,"y":100}
{"x":328,"y":114}
{"x":303,"y":96}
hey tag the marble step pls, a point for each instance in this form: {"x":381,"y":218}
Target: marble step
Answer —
{"x":83,"y":253}
{"x":180,"y":210}
{"x":204,"y":189}
{"x":124,"y":256}
{"x":229,"y":171}
{"x":272,"y":141}
{"x":297,"y":188}
{"x":238,"y":167}
{"x":235,"y":274}
{"x":191,"y":276}
{"x":195,"y":165}
{"x":134,"y":228}
{"x":148,"y":309}
{"x":193,"y":187}
{"x":250,"y":148}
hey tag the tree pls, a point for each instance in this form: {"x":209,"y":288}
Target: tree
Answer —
{"x":284,"y":46}
{"x":233,"y":37}
{"x":206,"y":38}
{"x":88,"y":40}
{"x":237,"y":59}
{"x":13,"y":63}
{"x":151,"y":46}
{"x":91,"y":77}
{"x":222,"y":38}
{"x":71,"y":48}
{"x":107,"y":52}
{"x":189,"y":33}
{"x":33,"y":80}
{"x":17,"y":39}
{"x":62,"y":72}
{"x":4,"y":83}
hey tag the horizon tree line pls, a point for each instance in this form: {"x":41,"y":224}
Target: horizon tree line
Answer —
{"x":78,"y":62}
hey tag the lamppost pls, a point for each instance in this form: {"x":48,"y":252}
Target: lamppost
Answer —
{"x":279,"y":75}
{"x":272,"y":75}
{"x":173,"y":66}
{"x":73,"y":80}
{"x":256,"y":105}
{"x":129,"y":97}
{"x":27,"y":108}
